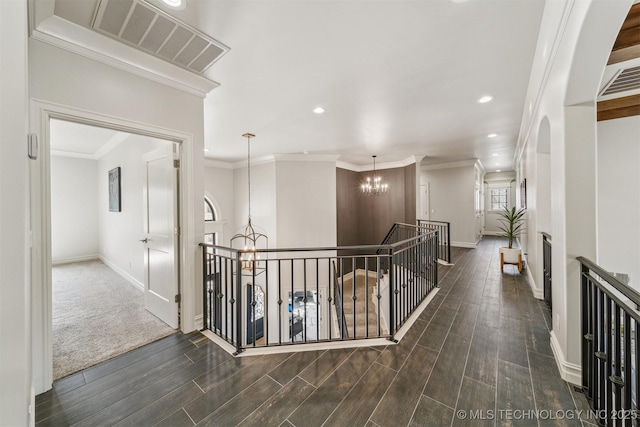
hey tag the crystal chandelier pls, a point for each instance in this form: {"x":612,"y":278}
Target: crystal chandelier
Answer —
{"x":249,"y":239}
{"x":374,"y":186}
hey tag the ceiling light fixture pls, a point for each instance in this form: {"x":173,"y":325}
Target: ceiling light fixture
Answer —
{"x":485,"y":99}
{"x":498,"y":170}
{"x":492,"y":135}
{"x":318,"y":110}
{"x":175,"y":4}
{"x":375,"y":186}
{"x":248,"y":237}
{"x":494,"y":154}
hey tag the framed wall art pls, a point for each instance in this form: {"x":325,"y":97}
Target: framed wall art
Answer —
{"x":114,"y":190}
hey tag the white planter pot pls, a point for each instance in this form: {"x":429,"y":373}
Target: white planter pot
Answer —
{"x":511,"y":256}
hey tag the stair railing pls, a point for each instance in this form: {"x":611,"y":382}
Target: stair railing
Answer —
{"x":610,"y":353}
{"x":298,"y":296}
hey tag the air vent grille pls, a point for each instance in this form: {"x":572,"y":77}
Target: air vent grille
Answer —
{"x":147,"y":28}
{"x":628,"y":79}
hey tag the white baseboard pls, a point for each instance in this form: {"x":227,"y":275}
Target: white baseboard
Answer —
{"x":468,"y":245}
{"x":492,"y":233}
{"x":535,"y":290}
{"x":199,"y":322}
{"x":74,"y":259}
{"x":569,"y":372}
{"x":129,"y":278}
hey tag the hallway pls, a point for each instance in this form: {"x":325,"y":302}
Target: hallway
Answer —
{"x":480,"y":350}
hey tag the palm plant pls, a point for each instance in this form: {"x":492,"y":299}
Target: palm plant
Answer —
{"x":512,"y":222}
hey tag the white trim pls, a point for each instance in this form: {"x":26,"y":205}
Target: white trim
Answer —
{"x":217,"y":164}
{"x":40,"y":114}
{"x":82,"y":258}
{"x":129,"y":278}
{"x":415,"y":315}
{"x":464,"y":245}
{"x":379,"y":166}
{"x":537,"y":292}
{"x":306,"y":157}
{"x":492,"y":233}
{"x":74,"y":38}
{"x":199,"y":322}
{"x":569,"y":372}
{"x":530,"y":119}
{"x":450,"y":165}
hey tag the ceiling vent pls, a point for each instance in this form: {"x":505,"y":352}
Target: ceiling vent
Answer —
{"x":627,"y":80}
{"x":147,"y":28}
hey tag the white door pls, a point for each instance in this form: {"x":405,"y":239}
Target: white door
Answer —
{"x":160,"y":235}
{"x":424,"y":202}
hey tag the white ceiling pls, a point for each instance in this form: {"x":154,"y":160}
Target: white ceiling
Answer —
{"x":397,"y":78}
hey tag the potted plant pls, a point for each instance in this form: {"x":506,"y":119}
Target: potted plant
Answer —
{"x":512,"y":222}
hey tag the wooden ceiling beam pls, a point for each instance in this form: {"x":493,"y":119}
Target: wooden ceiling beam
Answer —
{"x":618,"y":108}
{"x":627,"y":44}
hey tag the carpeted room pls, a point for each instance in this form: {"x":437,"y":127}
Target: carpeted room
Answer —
{"x":98,"y":308}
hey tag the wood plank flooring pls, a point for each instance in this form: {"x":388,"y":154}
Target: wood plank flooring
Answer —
{"x":481,"y":347}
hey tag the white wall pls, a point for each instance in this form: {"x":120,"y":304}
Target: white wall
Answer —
{"x":452,"y":199}
{"x":74,"y":209}
{"x":619,"y":197}
{"x":66,"y":83}
{"x":263,"y":200}
{"x":16,"y":392}
{"x":306,"y":203}
{"x":492,"y":180}
{"x":219,"y":185}
{"x":574,"y":44}
{"x":120,"y":232}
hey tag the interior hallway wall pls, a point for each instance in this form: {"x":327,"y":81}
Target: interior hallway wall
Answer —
{"x":120,"y":232}
{"x":69,"y":81}
{"x":619,"y":197}
{"x":74,"y":209}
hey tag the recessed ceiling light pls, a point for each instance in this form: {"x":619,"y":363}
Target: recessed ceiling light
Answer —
{"x":318,"y":110}
{"x":492,"y":135}
{"x":498,"y":170}
{"x":485,"y":99}
{"x":305,"y":152}
{"x":174,"y":3}
{"x":206,"y":150}
{"x":494,"y":154}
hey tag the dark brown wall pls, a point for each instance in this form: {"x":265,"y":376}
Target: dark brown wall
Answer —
{"x":365,"y":220}
{"x":347,"y":185}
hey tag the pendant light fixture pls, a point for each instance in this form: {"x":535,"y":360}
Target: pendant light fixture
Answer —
{"x":248,"y":240}
{"x":374,"y":185}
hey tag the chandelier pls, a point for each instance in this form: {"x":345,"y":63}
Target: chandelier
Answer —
{"x":248,"y":237}
{"x":374,"y":186}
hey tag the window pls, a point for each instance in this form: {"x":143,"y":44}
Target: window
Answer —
{"x":210,"y":223}
{"x":499,"y":198}
{"x":209,"y":213}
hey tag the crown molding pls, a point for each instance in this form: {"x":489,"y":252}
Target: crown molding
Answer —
{"x":379,"y":166}
{"x":217,"y":164}
{"x":450,"y":165}
{"x":51,"y":29}
{"x":306,"y":157}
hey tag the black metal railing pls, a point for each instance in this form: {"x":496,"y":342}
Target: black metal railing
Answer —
{"x":277,"y":297}
{"x":444,"y":233}
{"x":610,"y":337}
{"x":546,"y":268}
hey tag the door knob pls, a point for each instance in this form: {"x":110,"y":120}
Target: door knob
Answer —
{"x":145,"y":240}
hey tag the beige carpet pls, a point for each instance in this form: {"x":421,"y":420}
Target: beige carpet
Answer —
{"x":97,"y":315}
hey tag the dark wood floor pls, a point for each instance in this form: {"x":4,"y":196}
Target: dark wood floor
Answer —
{"x":482,"y":345}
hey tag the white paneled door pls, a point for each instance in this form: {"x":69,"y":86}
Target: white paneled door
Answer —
{"x":160,"y":234}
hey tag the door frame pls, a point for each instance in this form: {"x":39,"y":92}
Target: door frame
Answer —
{"x":41,"y":112}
